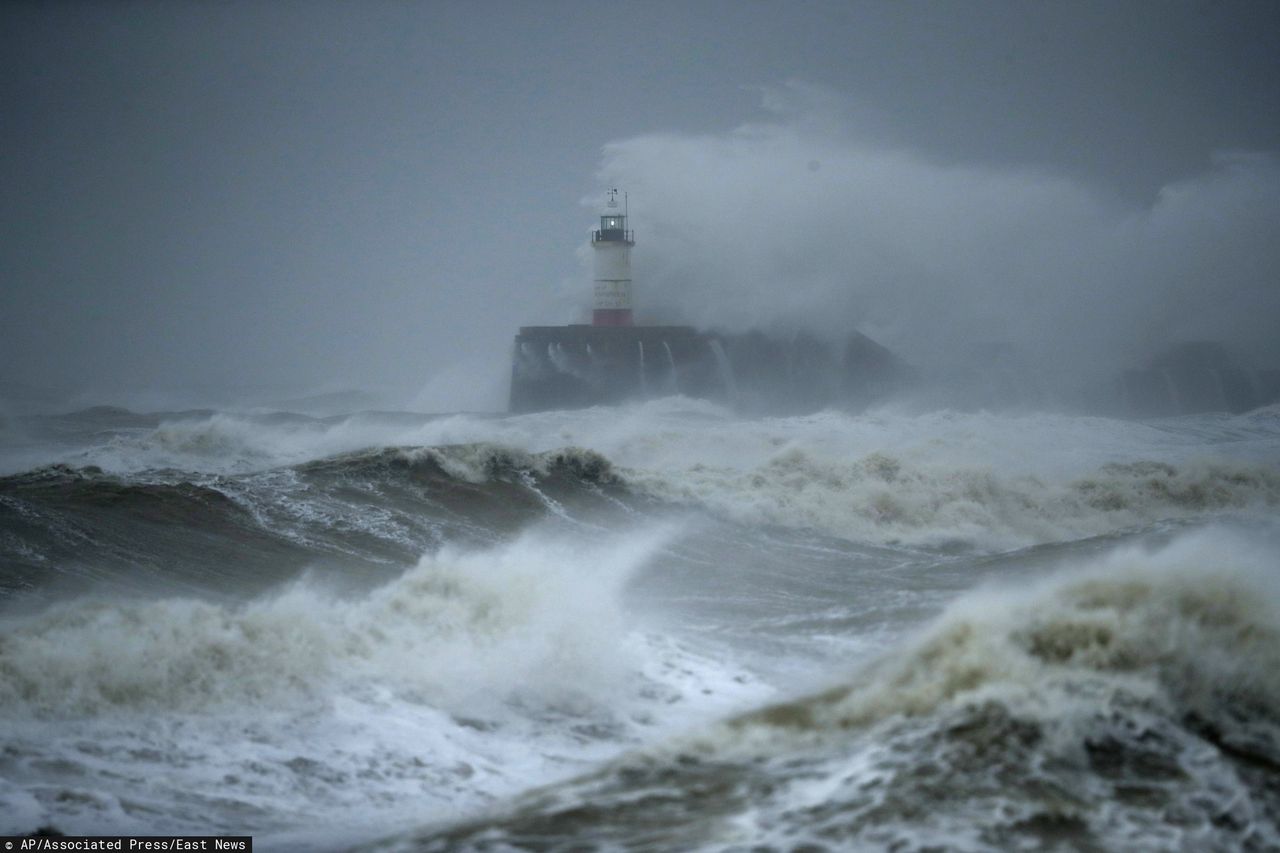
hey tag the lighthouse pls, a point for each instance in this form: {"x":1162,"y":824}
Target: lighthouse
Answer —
{"x":613,"y":359}
{"x":612,"y":244}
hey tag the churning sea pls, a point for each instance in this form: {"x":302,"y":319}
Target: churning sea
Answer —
{"x":660,"y":626}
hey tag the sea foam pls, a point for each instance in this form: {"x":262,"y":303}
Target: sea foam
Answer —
{"x":1128,"y":702}
{"x":890,"y":500}
{"x":524,"y":617}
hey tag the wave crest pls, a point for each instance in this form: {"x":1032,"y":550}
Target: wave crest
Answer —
{"x":477,"y":463}
{"x":886,"y":499}
{"x":1132,"y":704}
{"x":1185,"y":627}
{"x":526,"y":617}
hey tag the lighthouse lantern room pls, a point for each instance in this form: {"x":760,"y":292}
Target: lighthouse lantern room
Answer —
{"x":612,"y":243}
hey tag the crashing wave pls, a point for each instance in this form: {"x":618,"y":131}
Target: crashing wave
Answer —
{"x":520,"y":618}
{"x":885,"y":499}
{"x":1130,"y":704}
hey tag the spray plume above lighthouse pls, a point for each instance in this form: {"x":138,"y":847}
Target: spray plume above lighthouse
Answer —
{"x":611,"y":244}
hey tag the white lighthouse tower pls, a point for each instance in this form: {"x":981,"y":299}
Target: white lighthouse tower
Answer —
{"x":612,"y":269}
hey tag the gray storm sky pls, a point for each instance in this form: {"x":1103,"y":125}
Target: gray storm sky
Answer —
{"x":315,"y":196}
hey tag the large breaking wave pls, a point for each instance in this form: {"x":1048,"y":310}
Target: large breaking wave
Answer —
{"x":366,"y":513}
{"x":524,"y":617}
{"x":1131,"y":703}
{"x":472,"y":675}
{"x":885,"y":500}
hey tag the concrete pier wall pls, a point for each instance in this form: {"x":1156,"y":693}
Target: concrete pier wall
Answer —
{"x":565,"y":367}
{"x":568,"y":367}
